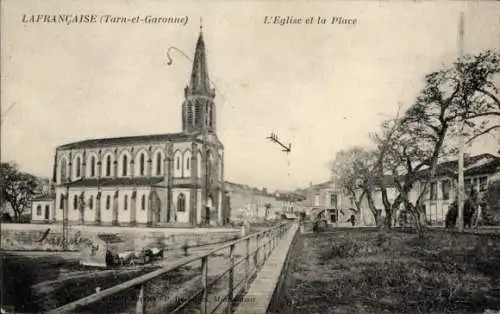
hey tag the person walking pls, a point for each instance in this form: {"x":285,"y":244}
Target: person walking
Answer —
{"x":352,"y":220}
{"x":479,"y":214}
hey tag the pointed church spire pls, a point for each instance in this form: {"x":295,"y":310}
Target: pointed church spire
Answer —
{"x":199,"y":83}
{"x":198,"y":108}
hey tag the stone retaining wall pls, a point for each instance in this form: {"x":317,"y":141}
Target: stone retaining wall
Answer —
{"x":27,"y":236}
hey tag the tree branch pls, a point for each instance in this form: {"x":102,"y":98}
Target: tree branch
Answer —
{"x":493,"y":97}
{"x":486,"y":131}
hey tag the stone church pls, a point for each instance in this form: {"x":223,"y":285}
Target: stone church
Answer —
{"x":160,"y":179}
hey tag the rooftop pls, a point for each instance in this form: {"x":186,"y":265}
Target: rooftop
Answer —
{"x":116,"y":182}
{"x":126,"y":140}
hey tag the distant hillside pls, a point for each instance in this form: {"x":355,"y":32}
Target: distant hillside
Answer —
{"x":313,"y":187}
{"x":248,"y":190}
{"x":244,"y":188}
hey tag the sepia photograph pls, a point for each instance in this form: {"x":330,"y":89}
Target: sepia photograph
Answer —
{"x":250,"y":157}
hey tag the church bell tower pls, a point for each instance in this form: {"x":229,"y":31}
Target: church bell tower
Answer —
{"x":198,"y":108}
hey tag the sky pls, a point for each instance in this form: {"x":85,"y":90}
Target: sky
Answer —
{"x":322,"y":88}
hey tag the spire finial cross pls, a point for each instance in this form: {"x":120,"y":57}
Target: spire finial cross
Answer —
{"x":201,"y":24}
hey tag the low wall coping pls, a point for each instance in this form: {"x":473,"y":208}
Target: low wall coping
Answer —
{"x":262,"y":289}
{"x":111,"y":229}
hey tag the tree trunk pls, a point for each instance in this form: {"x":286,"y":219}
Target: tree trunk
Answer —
{"x":420,"y":223}
{"x":375,"y":212}
{"x":388,"y":220}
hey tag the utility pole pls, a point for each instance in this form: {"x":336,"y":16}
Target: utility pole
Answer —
{"x":65,"y":226}
{"x":461,"y":144}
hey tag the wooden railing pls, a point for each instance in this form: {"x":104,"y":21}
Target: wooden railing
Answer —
{"x":263,"y":244}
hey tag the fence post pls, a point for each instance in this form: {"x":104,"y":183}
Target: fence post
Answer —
{"x":140,"y":306}
{"x":256,"y":262}
{"x":273,"y":233}
{"x":204,"y":284}
{"x":269,"y":247}
{"x":264,"y":246}
{"x":231,"y":280}
{"x":247,"y":262}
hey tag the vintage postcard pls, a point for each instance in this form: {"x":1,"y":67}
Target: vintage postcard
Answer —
{"x":250,"y":157}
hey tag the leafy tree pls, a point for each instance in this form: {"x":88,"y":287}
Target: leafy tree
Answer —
{"x":17,"y":188}
{"x":352,"y":170}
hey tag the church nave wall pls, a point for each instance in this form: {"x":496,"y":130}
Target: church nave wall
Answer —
{"x":181,"y":206}
{"x":90,"y":205}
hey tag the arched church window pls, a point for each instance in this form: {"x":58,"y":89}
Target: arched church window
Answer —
{"x":91,"y":202}
{"x":141,"y":165}
{"x":77,"y":167}
{"x":125,"y":166}
{"x":209,"y":166}
{"x":181,"y":203}
{"x":178,"y":163}
{"x":92,"y":166}
{"x":61,"y":201}
{"x":125,"y":202}
{"x":158,"y":163}
{"x":108,"y":166}
{"x":63,"y":169}
{"x":209,"y":115}
{"x":143,"y":202}
{"x":75,"y":202}
{"x":39,"y":210}
{"x":108,"y":202}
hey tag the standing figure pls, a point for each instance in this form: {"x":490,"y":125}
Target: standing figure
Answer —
{"x":478,"y":216}
{"x":352,"y":220}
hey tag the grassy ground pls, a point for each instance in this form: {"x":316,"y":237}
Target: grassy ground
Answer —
{"x":369,"y":271}
{"x":40,"y":281}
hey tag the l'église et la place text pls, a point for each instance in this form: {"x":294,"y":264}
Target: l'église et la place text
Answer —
{"x":322,"y":20}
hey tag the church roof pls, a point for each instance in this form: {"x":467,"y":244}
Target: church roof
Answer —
{"x":199,"y":82}
{"x":44,"y":197}
{"x":116,"y":182}
{"x":126,"y":140}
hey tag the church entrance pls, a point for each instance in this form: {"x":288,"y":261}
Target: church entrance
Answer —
{"x":208,"y":209}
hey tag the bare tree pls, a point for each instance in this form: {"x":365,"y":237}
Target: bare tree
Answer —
{"x":410,"y":147}
{"x":481,"y":104}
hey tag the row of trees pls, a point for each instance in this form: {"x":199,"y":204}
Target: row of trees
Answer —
{"x":18,"y":189}
{"x":461,"y":98}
